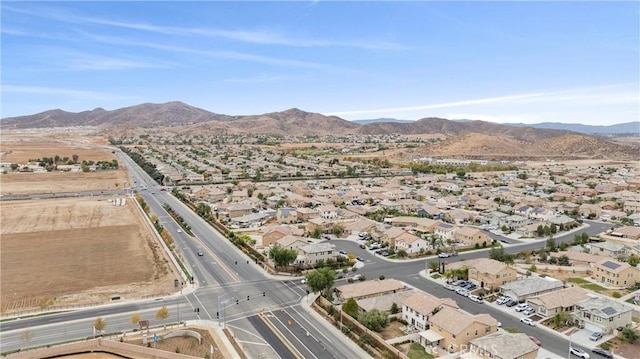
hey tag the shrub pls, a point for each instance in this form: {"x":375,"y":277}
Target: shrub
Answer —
{"x":616,"y":295}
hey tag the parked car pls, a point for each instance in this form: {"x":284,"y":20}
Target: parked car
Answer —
{"x":499,"y":324}
{"x":476,"y":299}
{"x":579,"y":352}
{"x":595,"y":336}
{"x":535,"y":340}
{"x":363,"y":246}
{"x":528,"y":311}
{"x":443,"y":255}
{"x":449,"y":287}
{"x":357,"y":277}
{"x":522,"y":306}
{"x":459,"y":282}
{"x":179,"y":230}
{"x":470,"y":286}
{"x":327,"y":238}
{"x":360,"y":259}
{"x":602,"y":352}
{"x":343,"y":252}
{"x":511,"y":303}
{"x":303,"y":281}
{"x":200,"y":253}
{"x":528,"y":321}
{"x":502,"y":300}
{"x":463,"y":292}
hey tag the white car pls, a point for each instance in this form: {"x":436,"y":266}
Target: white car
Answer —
{"x":303,"y":281}
{"x":528,"y":311}
{"x":449,"y":287}
{"x":502,"y":300}
{"x":475,"y":298}
{"x":579,"y":353}
{"x":463,"y":292}
{"x":528,"y":321}
{"x":443,"y":255}
{"x":179,"y":230}
{"x":522,"y":306}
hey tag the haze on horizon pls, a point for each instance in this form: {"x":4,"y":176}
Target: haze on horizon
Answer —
{"x":505,"y":62}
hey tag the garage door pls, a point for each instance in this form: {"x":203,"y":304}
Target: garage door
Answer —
{"x":592,"y":327}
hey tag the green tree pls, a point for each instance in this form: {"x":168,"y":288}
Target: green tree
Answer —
{"x":563,"y":260}
{"x":394,"y":308}
{"x":561,"y":319}
{"x":433,"y":266}
{"x":551,"y":245}
{"x":374,"y":319}
{"x":633,"y":260}
{"x":162,"y":313}
{"x":281,"y":256}
{"x":321,"y":280}
{"x":351,"y":307}
{"x":629,"y":335}
{"x":337,"y":230}
{"x":317,"y":232}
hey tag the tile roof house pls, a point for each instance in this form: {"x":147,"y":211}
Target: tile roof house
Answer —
{"x":562,"y":300}
{"x":504,"y":345}
{"x":452,"y":328}
{"x":470,"y":236}
{"x":420,"y":306}
{"x":486,"y":272}
{"x":410,"y":243}
{"x":369,"y":288}
{"x":614,"y":273}
{"x":601,"y":314}
{"x":530,"y":286}
{"x":311,"y":254}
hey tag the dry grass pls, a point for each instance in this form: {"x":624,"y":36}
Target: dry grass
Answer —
{"x":79,"y":250}
{"x":392,"y":331}
{"x":188,"y":345}
{"x":62,"y":182}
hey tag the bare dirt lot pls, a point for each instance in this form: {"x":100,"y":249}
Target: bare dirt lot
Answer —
{"x":20,"y":151}
{"x":77,"y":250}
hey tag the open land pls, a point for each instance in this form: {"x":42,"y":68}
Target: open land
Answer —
{"x":64,"y":251}
{"x":21,"y":150}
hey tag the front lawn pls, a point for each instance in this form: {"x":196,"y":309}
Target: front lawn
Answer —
{"x":593,"y":287}
{"x":578,"y":280}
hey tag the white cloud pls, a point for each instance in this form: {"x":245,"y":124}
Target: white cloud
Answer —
{"x":578,"y":103}
{"x":43,"y":90}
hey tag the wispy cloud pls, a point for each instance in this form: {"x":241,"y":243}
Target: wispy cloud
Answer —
{"x":81,"y":62}
{"x":264,"y":37}
{"x":608,"y":94}
{"x":223,"y":54}
{"x":264,"y":78}
{"x":44,"y":90}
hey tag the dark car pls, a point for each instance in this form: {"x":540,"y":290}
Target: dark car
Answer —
{"x":602,"y":352}
{"x":360,"y":259}
{"x":327,"y":238}
{"x":511,"y":303}
{"x":363,"y":246}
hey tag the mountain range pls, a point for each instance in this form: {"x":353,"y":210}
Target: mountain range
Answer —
{"x":460,"y":138}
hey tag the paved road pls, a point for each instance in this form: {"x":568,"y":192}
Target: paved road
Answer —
{"x":223,"y":274}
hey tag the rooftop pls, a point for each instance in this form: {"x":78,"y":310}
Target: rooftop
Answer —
{"x":506,"y":345}
{"x":532,"y":285}
{"x":603,"y":307}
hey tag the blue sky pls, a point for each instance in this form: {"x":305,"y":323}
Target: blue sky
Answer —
{"x":538,"y":61}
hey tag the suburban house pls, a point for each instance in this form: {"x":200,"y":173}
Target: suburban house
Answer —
{"x":562,"y":300}
{"x":328,"y":211}
{"x":410,"y":243}
{"x":287,"y":215}
{"x":369,"y":288}
{"x":628,"y":232}
{"x":305,"y":214}
{"x":291,"y":242}
{"x":529,"y":287}
{"x":614,"y":273}
{"x":602,"y":314}
{"x":487,"y":273}
{"x":420,"y":306}
{"x":445,"y":231}
{"x":310,"y":254}
{"x":504,"y":345}
{"x":271,"y":235}
{"x":451,"y":328}
{"x":471,"y":236}
{"x":609,"y":249}
{"x":238,"y":210}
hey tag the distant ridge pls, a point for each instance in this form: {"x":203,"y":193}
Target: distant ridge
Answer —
{"x":377,"y":120}
{"x":628,"y":128}
{"x":466,"y":138}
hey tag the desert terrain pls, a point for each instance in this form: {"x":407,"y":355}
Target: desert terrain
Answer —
{"x":79,"y":250}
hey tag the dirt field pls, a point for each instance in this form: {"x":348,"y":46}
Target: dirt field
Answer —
{"x":62,"y":182}
{"x":77,"y":250}
{"x":20,"y":150}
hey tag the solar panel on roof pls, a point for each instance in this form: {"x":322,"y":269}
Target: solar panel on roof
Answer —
{"x":609,"y":311}
{"x":611,"y":265}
